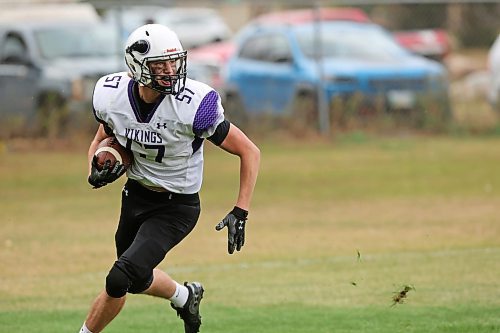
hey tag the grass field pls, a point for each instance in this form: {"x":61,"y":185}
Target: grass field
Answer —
{"x":335,"y":230}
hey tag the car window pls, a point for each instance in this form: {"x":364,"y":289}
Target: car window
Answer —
{"x":70,"y":42}
{"x":253,"y":48}
{"x":14,"y":49}
{"x":269,"y":48}
{"x":278,"y":49}
{"x":349,"y":42}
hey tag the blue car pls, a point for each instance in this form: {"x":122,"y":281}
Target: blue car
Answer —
{"x":275,"y":65}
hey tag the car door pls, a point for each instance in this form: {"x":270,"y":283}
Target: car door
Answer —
{"x":248,"y":74}
{"x":264,"y":73}
{"x":18,"y":78}
{"x":278,"y":64}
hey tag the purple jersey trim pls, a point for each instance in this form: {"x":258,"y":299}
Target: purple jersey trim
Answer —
{"x":132,"y":101}
{"x":196,"y":144}
{"x":135,"y":104}
{"x":207,"y":114}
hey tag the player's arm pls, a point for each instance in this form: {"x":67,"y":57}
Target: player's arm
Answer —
{"x":237,"y":143}
{"x":101,"y":176}
{"x":99,"y":136}
{"x":230,"y":138}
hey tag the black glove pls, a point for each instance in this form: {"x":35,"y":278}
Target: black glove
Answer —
{"x":235,"y":222}
{"x":106,"y":175}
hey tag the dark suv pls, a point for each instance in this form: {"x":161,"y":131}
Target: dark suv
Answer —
{"x":48,"y":69}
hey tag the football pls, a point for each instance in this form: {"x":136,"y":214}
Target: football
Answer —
{"x":110,"y":150}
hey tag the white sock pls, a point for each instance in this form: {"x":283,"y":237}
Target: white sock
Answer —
{"x":180,"y":295}
{"x":84,"y":329}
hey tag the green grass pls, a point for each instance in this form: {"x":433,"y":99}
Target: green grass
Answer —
{"x":420,"y":211}
{"x":281,"y":318}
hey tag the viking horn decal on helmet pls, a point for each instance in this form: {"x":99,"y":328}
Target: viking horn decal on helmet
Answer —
{"x":141,"y":46}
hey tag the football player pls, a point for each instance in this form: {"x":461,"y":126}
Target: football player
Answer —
{"x":163,"y":117}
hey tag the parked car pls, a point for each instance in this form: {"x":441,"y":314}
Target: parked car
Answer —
{"x":279,"y":62}
{"x":49,"y":64}
{"x":195,"y":26}
{"x":206,"y":72}
{"x":214,"y":58}
{"x":494,"y":72}
{"x":301,"y":16}
{"x":216,"y":55}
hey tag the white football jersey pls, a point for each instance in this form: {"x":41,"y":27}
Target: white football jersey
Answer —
{"x":168,"y":143}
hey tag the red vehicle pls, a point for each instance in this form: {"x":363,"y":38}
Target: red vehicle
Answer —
{"x":211,"y":60}
{"x":221,"y":51}
{"x":431,"y":43}
{"x":213,"y":53}
{"x":299,"y":16}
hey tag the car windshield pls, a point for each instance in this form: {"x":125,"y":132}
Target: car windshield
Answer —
{"x":339,"y":41}
{"x":70,"y":42}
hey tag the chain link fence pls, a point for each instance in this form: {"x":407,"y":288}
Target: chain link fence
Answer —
{"x":456,"y":35}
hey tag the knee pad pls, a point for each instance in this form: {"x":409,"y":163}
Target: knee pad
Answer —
{"x":117,"y":283}
{"x":139,"y":285}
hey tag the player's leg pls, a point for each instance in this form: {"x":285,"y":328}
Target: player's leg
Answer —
{"x":165,"y":287}
{"x":172,"y":221}
{"x":103,"y":311}
{"x":110,"y":301}
{"x":162,"y":286}
{"x":169,"y":218}
{"x":185,"y":299}
{"x":190,"y":311}
{"x":156,"y":236}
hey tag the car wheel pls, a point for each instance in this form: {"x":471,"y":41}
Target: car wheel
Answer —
{"x":52,"y":115}
{"x":305,"y":109}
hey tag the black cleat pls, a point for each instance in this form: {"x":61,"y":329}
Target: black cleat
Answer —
{"x":190,"y":312}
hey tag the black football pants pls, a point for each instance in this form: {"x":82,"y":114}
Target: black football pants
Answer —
{"x":151,"y":223}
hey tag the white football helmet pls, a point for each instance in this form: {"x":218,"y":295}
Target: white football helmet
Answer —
{"x":155,"y":43}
